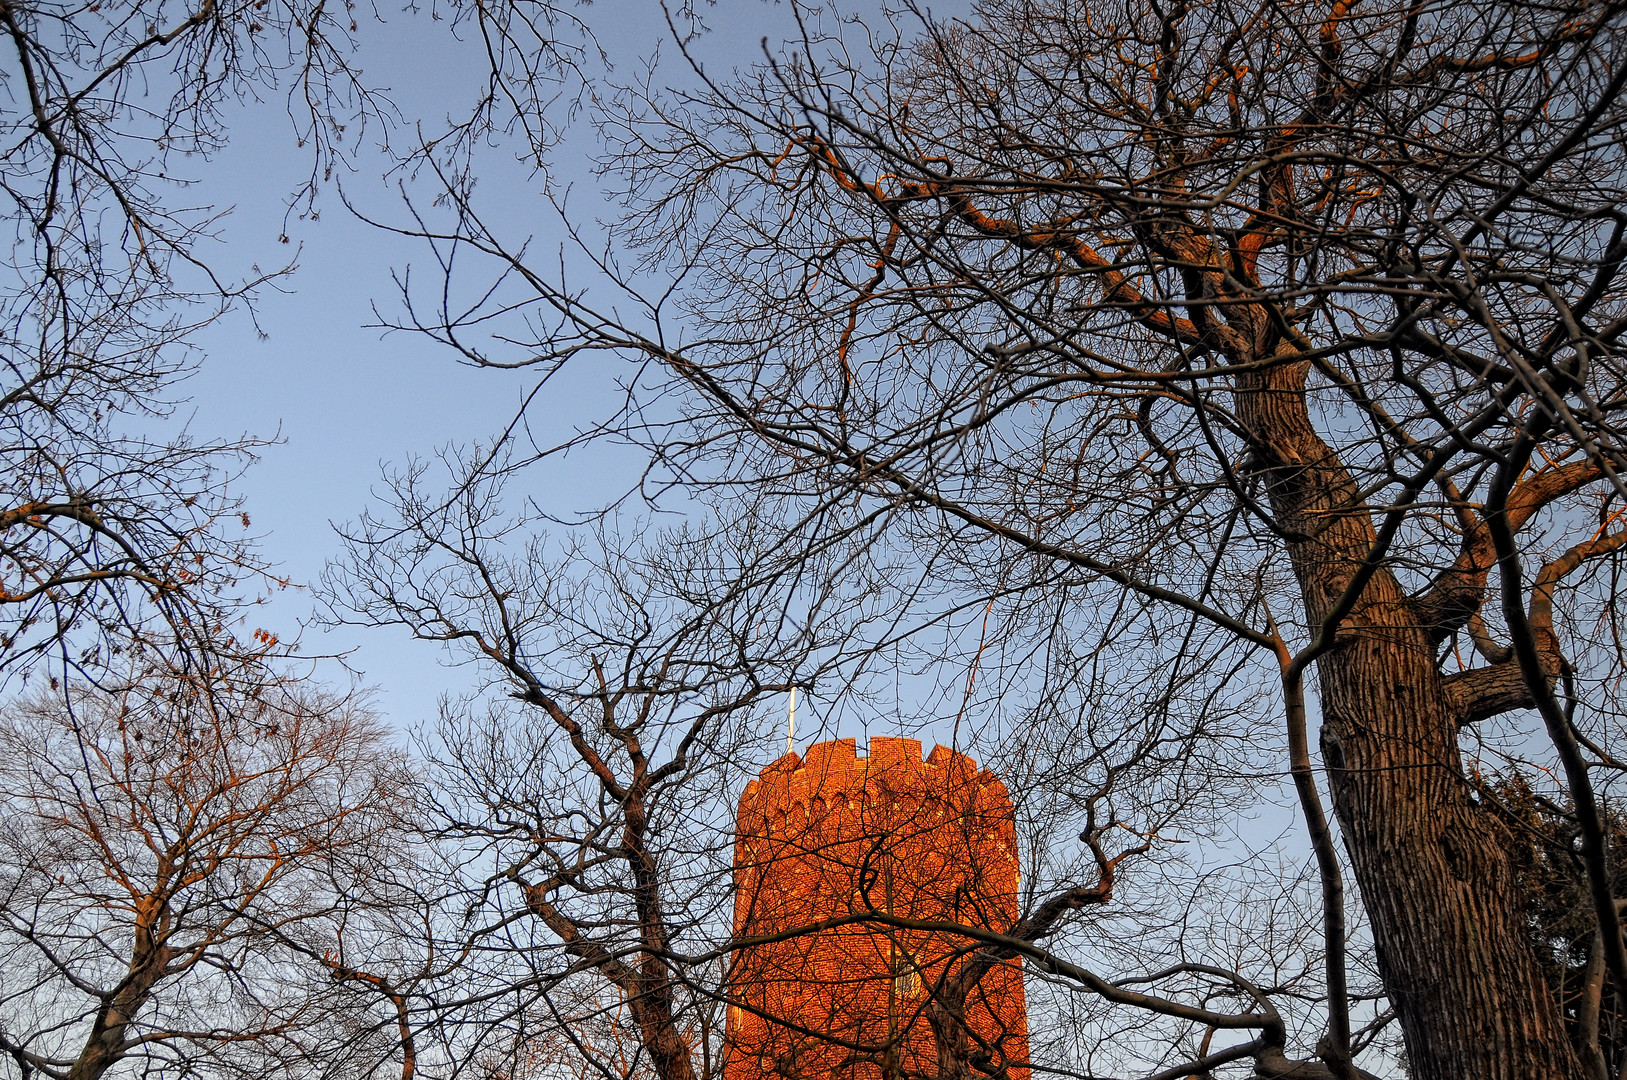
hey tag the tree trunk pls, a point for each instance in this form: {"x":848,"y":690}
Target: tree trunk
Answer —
{"x":105,"y":1045}
{"x":1434,"y":871}
{"x":1433,"y":867}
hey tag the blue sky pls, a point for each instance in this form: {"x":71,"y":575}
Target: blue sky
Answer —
{"x":345,"y":398}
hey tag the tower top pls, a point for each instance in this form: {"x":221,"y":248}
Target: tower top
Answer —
{"x":834,"y":767}
{"x":925,"y":838}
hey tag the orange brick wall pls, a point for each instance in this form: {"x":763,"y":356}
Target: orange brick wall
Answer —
{"x":931,"y":839}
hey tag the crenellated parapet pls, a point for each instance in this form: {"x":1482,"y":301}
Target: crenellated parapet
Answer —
{"x":834,"y":770}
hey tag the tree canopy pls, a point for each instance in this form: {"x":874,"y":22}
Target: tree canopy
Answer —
{"x":1230,"y":365}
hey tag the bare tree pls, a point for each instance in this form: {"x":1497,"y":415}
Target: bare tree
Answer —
{"x":117,"y":530}
{"x":583,"y":797}
{"x":161,"y":847}
{"x":1286,"y":334}
{"x":587,"y":785}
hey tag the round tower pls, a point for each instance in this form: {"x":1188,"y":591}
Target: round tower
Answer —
{"x":838,"y":834}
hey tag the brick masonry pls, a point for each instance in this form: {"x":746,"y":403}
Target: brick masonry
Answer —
{"x":835,"y":834}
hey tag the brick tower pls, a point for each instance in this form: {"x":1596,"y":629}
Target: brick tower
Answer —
{"x":837,"y":833}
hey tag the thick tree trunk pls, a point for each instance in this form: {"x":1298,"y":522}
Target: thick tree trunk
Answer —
{"x":1434,"y":870}
{"x":1433,"y":867}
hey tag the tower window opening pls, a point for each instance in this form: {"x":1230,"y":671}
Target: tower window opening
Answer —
{"x":906,"y":979}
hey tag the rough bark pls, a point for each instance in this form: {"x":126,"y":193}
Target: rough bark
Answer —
{"x":1467,"y":990}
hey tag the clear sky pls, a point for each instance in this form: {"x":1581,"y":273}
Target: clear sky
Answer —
{"x":345,"y":398}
